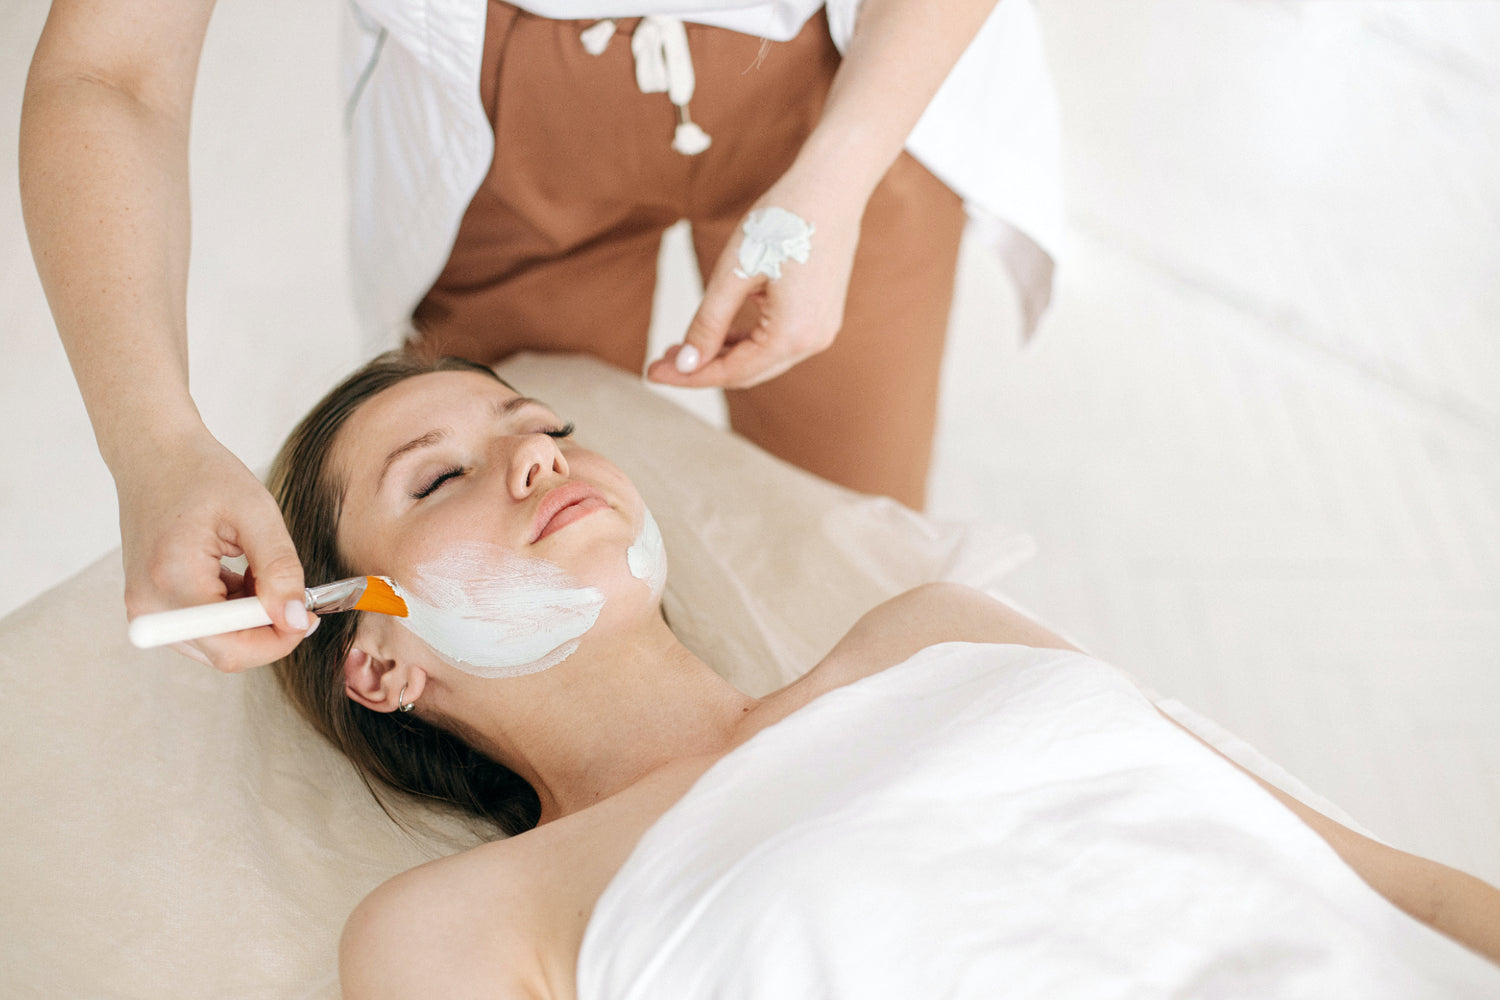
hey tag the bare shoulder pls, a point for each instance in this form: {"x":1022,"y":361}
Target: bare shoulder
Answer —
{"x":457,"y":926}
{"x":906,"y":624}
{"x":944,"y":612}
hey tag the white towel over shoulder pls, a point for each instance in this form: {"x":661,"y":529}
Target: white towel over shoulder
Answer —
{"x":996,"y":821}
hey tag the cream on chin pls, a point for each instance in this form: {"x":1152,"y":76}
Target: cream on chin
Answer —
{"x":647,"y":557}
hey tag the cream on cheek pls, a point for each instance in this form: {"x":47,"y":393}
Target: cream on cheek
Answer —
{"x":493,"y":614}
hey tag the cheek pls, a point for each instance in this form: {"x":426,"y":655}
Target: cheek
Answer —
{"x":412,"y":546}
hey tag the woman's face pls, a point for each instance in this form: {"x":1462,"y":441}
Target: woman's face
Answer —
{"x":461,"y":490}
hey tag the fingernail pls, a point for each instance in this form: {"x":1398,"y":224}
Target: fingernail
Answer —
{"x":315,"y":623}
{"x":296,"y":615}
{"x":687,"y":359}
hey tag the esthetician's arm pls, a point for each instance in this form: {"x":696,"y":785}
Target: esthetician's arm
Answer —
{"x":104,"y":187}
{"x":900,"y":54}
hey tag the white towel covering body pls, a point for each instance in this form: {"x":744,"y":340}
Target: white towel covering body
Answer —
{"x":996,"y":821}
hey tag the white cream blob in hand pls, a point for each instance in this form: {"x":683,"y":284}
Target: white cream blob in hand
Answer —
{"x":494,"y":614}
{"x":773,"y":236}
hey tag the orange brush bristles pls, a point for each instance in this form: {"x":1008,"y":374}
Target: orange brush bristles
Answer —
{"x":379,"y":596}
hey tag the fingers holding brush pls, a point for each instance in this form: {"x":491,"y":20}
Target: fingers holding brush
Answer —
{"x":179,"y":519}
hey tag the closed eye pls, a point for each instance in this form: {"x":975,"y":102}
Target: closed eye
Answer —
{"x":436,"y":483}
{"x":438,"y":480}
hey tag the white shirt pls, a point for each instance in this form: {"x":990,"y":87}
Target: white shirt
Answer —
{"x":420,"y":144}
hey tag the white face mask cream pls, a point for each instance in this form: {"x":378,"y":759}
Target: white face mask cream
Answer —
{"x":648,"y":556}
{"x":493,"y":614}
{"x":772,"y":237}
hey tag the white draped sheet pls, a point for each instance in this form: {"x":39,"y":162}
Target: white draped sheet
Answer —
{"x":997,"y":821}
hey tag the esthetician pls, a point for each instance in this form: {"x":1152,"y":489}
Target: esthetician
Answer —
{"x":511,"y":176}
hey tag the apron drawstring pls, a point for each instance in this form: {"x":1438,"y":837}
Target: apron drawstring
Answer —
{"x":662,"y":64}
{"x":596,"y":37}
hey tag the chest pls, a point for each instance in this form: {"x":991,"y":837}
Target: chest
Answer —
{"x":561,"y":873}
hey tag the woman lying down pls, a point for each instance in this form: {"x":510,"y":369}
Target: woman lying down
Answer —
{"x":953,"y":803}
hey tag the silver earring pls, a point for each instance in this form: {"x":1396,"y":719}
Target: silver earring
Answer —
{"x":401,"y":704}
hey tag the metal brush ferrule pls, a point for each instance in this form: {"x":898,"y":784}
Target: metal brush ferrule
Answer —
{"x":340,"y":595}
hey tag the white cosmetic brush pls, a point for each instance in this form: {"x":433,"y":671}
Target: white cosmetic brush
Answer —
{"x":359,"y":593}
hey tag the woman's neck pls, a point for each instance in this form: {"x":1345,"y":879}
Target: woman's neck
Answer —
{"x":606,"y":717}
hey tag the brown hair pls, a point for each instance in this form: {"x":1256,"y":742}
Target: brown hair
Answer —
{"x":391,"y":749}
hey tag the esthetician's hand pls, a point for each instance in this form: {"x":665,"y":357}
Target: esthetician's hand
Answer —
{"x":179,"y":514}
{"x":749,"y":330}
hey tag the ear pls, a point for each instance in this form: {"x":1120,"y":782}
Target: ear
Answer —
{"x":378,"y":683}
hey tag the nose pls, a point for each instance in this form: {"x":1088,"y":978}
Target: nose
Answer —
{"x":536,"y":460}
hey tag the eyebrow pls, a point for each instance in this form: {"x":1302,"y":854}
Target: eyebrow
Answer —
{"x":432,"y":437}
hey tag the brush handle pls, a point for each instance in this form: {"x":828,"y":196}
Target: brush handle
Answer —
{"x":166,"y":627}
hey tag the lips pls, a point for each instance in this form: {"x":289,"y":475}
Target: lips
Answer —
{"x":563,"y":505}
